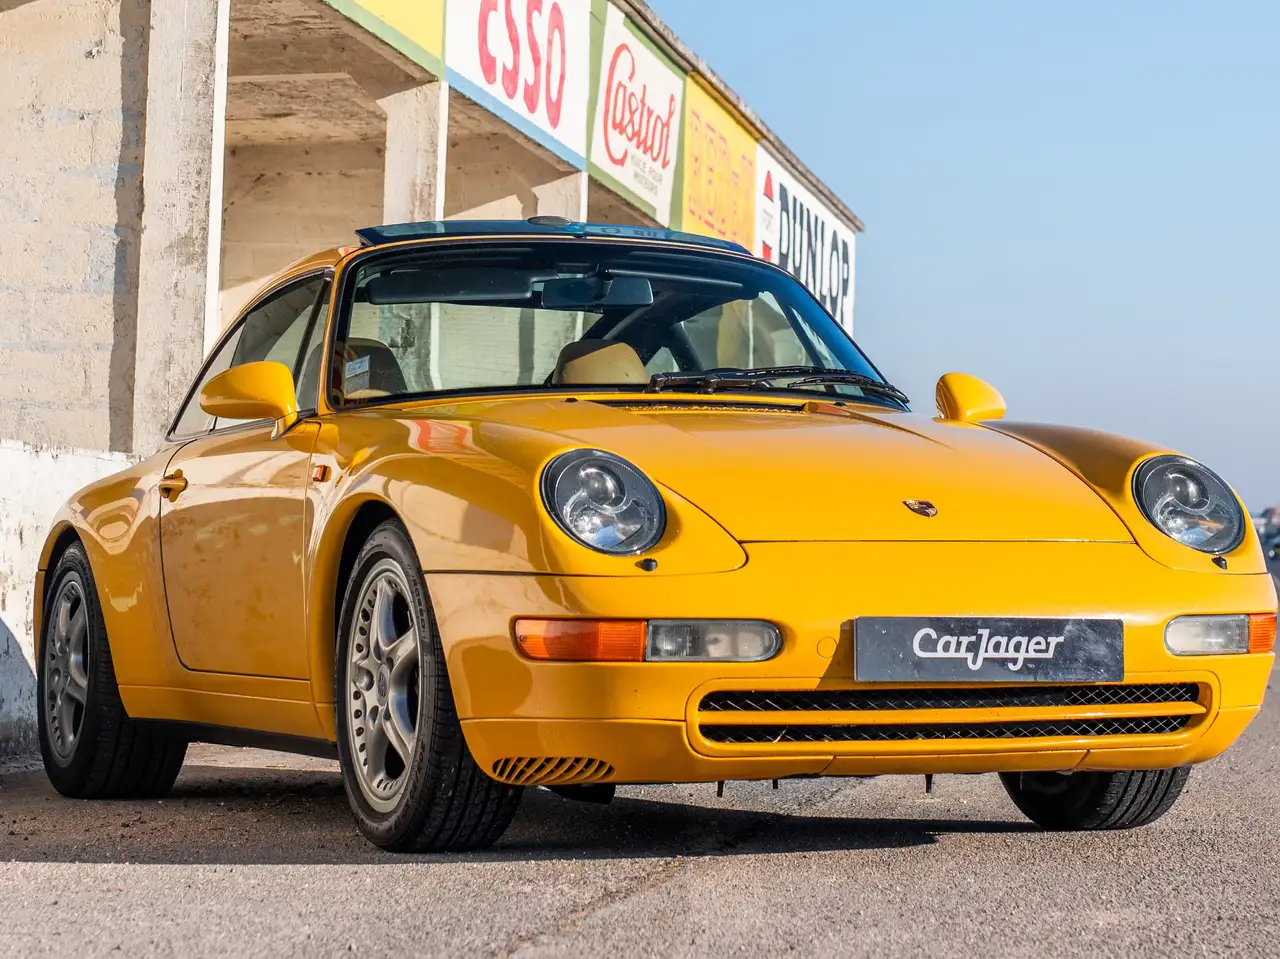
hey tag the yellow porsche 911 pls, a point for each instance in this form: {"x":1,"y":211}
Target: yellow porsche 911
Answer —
{"x":484,"y":506}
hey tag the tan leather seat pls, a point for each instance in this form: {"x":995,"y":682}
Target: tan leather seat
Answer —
{"x":599,"y":363}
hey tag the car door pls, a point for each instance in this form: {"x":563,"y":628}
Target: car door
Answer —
{"x":233,"y":505}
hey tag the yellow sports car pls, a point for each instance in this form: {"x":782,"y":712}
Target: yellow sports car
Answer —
{"x":475,"y":507}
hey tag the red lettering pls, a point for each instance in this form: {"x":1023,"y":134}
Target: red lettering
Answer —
{"x":613,"y":109}
{"x":630,"y":116}
{"x":542,"y":45}
{"x":555,"y":28}
{"x":532,"y":87}
{"x":488,"y":63}
{"x":666,"y":132}
{"x":511,"y":74}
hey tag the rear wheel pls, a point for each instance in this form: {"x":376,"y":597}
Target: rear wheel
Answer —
{"x":1095,"y":800}
{"x":91,"y":749}
{"x":410,"y":780}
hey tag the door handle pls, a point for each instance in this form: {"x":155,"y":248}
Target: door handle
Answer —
{"x":172,"y":485}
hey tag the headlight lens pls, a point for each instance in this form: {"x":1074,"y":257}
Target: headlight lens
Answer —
{"x":1189,"y":503}
{"x":603,"y":501}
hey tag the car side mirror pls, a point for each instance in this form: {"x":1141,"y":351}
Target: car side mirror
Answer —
{"x":253,"y":391}
{"x":968,"y":399}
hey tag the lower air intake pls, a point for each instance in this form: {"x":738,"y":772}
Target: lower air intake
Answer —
{"x":550,"y":770}
{"x":910,"y":732}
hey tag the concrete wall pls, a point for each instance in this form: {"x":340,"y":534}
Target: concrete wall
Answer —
{"x":37,"y":481}
{"x":105,"y":147}
{"x":496,"y":177}
{"x":284,"y":202}
{"x":72,"y":108}
{"x":71,"y":119}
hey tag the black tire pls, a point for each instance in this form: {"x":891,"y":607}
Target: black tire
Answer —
{"x":108,"y":755}
{"x":444,"y":802}
{"x":1095,"y":800}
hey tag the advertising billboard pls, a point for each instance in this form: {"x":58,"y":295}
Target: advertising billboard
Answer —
{"x":529,"y":61}
{"x":637,"y":111}
{"x":719,"y":171}
{"x":799,"y":233}
{"x":415,"y":29}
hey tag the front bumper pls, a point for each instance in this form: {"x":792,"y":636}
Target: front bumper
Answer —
{"x":539,"y":722}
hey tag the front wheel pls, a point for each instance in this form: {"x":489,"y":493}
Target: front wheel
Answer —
{"x":1095,"y":800}
{"x":410,"y":780}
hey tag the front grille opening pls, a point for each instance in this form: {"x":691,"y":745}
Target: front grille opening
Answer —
{"x":854,"y":700}
{"x":912,"y":732}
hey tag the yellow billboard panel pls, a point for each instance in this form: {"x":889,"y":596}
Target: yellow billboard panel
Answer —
{"x":414,"y":27}
{"x":719,"y":171}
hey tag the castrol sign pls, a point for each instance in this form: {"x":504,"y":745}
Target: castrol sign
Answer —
{"x":635,"y":127}
{"x":527,"y":60}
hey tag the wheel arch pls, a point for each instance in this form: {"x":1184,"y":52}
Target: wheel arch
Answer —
{"x":335,"y":555}
{"x":63,"y":535}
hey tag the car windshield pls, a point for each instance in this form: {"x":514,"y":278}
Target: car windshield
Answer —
{"x":483,"y":316}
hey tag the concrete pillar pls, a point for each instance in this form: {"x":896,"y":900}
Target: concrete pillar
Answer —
{"x":566,"y":196}
{"x":217,"y":178}
{"x":182,"y":90}
{"x":417,"y":145}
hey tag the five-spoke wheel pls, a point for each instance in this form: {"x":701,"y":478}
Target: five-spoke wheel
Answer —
{"x":66,"y":683}
{"x":410,"y":780}
{"x":382,"y":713}
{"x":91,"y":748}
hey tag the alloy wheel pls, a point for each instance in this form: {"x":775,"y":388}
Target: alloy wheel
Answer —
{"x":66,"y":687}
{"x":383,"y":685}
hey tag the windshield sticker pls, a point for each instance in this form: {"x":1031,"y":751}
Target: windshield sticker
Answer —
{"x":355,"y":375}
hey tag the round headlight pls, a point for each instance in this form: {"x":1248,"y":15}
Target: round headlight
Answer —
{"x":1189,"y":503}
{"x":603,"y":501}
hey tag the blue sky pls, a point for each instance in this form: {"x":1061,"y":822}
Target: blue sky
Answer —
{"x":1076,"y":201}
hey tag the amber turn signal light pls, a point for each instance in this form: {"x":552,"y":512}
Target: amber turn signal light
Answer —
{"x":1262,"y":632}
{"x":582,"y":640}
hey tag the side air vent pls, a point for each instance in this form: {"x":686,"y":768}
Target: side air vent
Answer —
{"x":550,"y":770}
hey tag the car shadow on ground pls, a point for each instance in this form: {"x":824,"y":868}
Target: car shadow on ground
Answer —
{"x":228,"y":816}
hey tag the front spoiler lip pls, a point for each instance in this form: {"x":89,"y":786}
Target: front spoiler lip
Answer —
{"x":658,"y":751}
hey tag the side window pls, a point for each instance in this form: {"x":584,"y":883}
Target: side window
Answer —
{"x":307,"y":376}
{"x":193,"y":421}
{"x":276,"y":330}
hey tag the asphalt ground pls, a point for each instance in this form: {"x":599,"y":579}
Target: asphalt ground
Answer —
{"x":255,"y":854}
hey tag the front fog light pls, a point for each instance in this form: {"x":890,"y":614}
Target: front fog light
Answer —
{"x":1207,"y":635}
{"x":711,"y":640}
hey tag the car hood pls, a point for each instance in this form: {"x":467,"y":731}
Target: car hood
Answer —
{"x":812,"y":471}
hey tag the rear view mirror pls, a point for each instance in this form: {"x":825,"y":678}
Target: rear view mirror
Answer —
{"x":449,"y":285}
{"x":573,"y":293}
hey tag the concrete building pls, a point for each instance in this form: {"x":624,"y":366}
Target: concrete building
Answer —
{"x":159,"y":160}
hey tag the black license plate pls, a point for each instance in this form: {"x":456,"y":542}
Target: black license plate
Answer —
{"x":908,"y":649}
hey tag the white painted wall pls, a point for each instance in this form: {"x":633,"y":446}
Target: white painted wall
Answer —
{"x":37,"y":481}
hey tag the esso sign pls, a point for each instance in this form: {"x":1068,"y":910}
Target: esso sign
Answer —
{"x":532,"y":56}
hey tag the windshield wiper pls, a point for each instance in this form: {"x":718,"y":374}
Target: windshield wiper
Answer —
{"x":708,"y":381}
